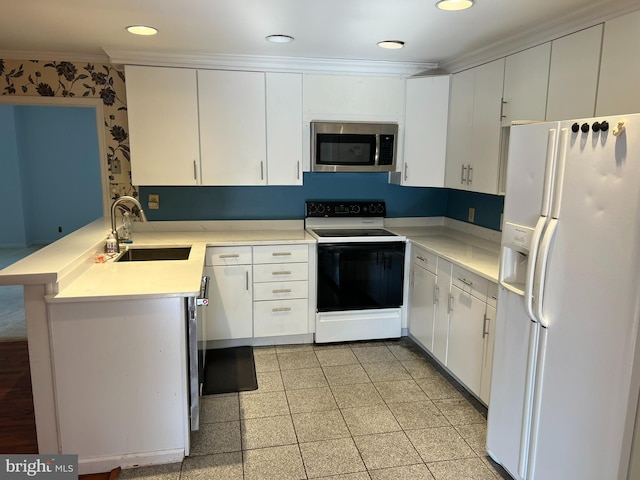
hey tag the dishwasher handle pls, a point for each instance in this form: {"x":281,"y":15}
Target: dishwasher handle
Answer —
{"x":203,"y":297}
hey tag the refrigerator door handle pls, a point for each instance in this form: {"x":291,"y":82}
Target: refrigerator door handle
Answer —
{"x":531,"y":267}
{"x":541,"y":271}
{"x":559,"y":174}
{"x":549,"y":173}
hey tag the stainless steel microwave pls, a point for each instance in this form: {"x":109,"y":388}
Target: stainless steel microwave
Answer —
{"x":353,"y":147}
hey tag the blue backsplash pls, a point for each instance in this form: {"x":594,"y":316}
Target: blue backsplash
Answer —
{"x":287,"y":202}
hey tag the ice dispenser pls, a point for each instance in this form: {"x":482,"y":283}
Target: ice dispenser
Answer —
{"x":516,"y":242}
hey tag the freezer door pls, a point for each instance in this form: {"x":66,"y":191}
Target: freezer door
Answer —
{"x":587,"y":386}
{"x":510,"y":407}
{"x":530,"y":147}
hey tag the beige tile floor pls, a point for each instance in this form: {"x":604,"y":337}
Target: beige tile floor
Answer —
{"x":357,"y":411}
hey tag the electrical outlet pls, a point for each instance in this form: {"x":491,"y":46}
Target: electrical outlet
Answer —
{"x":153,"y":202}
{"x":472,"y":214}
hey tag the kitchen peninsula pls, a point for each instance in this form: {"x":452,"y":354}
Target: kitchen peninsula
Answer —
{"x":110,"y":337}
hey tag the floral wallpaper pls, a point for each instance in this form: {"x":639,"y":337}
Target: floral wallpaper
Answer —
{"x":32,"y":78}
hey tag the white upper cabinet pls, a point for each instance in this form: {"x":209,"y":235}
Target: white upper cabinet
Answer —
{"x":526,"y":77}
{"x":232,"y":127}
{"x":473,"y":137}
{"x":284,"y":128}
{"x":620,"y":68}
{"x":328,"y":97}
{"x":162,"y":106}
{"x":425,"y":132}
{"x":573,"y":76}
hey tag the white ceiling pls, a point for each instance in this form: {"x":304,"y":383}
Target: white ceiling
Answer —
{"x":323,"y":29}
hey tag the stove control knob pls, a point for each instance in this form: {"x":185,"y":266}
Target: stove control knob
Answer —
{"x":379,"y":208}
{"x":355,"y":209}
{"x":312,"y":208}
{"x":320,"y":209}
{"x":372,"y":209}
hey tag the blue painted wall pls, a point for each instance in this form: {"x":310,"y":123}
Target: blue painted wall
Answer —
{"x":252,"y":203}
{"x":12,"y":230}
{"x":60,"y":169}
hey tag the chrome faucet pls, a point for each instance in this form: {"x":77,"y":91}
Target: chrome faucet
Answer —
{"x":114,"y":205}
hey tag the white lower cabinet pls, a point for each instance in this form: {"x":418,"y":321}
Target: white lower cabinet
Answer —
{"x":451,"y":315}
{"x":441,"y":320}
{"x":229,"y":314}
{"x":466,"y":343}
{"x":281,"y":290}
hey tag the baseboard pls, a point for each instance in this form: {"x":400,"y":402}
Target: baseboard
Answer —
{"x":88,"y":465}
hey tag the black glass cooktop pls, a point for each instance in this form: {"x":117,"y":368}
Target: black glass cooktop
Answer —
{"x":353,"y":232}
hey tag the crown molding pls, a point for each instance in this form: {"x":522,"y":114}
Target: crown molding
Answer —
{"x":53,"y":56}
{"x":585,"y":18}
{"x":267,"y":63}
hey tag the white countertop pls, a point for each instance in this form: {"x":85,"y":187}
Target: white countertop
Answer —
{"x":474,"y":253}
{"x":68,"y":266}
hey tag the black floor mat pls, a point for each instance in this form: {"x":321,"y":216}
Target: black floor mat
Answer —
{"x":229,"y":370}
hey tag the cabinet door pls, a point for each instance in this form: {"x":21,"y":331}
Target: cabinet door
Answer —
{"x":485,"y":141}
{"x":422,"y":296}
{"x":573,"y":76}
{"x":162,"y":107}
{"x":466,"y":342}
{"x":425,"y":131}
{"x":230,"y":311}
{"x":232,"y":127}
{"x":526,"y":77}
{"x":353,"y":97}
{"x":487,"y":361}
{"x":620,"y":69}
{"x":460,"y":129}
{"x":284,"y":128}
{"x":441,"y":320}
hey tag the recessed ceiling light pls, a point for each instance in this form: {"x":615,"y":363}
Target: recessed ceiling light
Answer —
{"x":142,"y":30}
{"x":279,"y":38}
{"x":391,"y":44}
{"x":454,"y":4}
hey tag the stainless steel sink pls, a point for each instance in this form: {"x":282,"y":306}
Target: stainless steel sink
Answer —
{"x":152,"y":254}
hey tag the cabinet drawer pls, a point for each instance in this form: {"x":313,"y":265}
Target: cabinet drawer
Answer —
{"x":470,"y":282}
{"x":280,"y":253}
{"x":280,"y":290}
{"x":280,"y":272}
{"x":280,"y":317}
{"x":228,"y":256}
{"x":424,"y":258}
{"x":492,"y":294}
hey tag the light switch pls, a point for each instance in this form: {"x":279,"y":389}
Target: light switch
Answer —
{"x":153,"y":202}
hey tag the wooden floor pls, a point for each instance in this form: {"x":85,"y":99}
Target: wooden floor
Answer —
{"x":17,"y":421}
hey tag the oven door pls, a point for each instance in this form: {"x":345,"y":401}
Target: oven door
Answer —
{"x":360,"y":276}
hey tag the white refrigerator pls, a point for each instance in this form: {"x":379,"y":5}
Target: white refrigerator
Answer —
{"x":566,"y":366}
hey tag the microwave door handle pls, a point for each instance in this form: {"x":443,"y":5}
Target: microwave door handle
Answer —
{"x":376,"y":155}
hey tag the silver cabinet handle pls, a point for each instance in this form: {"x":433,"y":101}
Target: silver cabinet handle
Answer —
{"x":246,"y":280}
{"x":281,"y":290}
{"x":463,"y":177}
{"x":281,"y":309}
{"x":195,"y":171}
{"x":502,"y":104}
{"x":298,"y":170}
{"x":469,"y":175}
{"x":261,"y":170}
{"x":421,"y":258}
{"x":282,"y":272}
{"x":436,"y":294}
{"x":450,"y":304}
{"x":405,"y":171}
{"x":485,"y":332}
{"x":466,"y":282}
{"x":281,"y":254}
{"x":230,"y":255}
